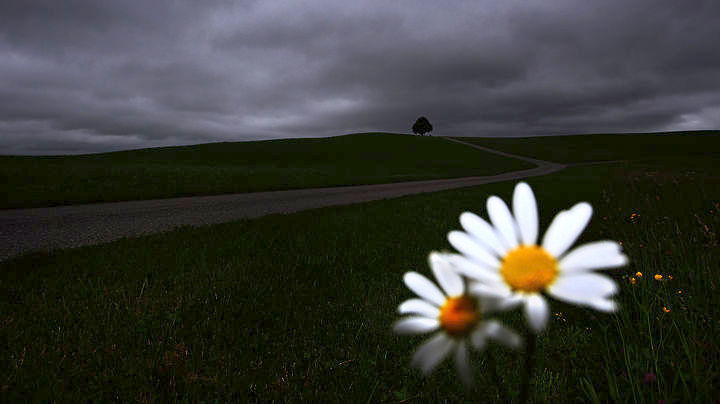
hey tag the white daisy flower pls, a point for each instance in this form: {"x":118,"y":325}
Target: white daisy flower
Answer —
{"x":506,"y":263}
{"x":458,"y":316}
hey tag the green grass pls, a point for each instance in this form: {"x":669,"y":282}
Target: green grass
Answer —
{"x":632,"y":146}
{"x":218,"y":168}
{"x":300,"y":307}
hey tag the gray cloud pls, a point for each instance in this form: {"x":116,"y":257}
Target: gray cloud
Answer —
{"x":88,"y":76}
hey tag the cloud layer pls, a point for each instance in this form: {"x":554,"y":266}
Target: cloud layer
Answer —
{"x":97,"y":75}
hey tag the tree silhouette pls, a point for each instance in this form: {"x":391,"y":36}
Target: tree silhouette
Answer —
{"x":422,"y":126}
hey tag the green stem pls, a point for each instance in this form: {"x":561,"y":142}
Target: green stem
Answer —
{"x":529,"y":365}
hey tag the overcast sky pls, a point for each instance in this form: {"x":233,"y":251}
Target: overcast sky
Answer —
{"x":80,"y":76}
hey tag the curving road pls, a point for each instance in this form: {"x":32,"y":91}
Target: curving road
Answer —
{"x":25,"y":230}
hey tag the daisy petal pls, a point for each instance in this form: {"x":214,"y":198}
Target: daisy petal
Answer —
{"x":582,"y":288}
{"x":424,"y":288}
{"x":526,"y":214}
{"x":493,"y":304}
{"x":554,"y":231}
{"x":416,"y":325}
{"x":446,"y":276}
{"x":432,"y":352}
{"x":473,"y":269}
{"x":482,"y":231}
{"x":503,"y":221}
{"x":536,"y":312}
{"x":502,"y":334}
{"x":595,"y":255}
{"x":419,"y":306}
{"x":605,"y":305}
{"x":566,"y":228}
{"x":468,"y":246}
{"x":477,"y":338}
{"x":497,"y":291}
{"x":462,"y":363}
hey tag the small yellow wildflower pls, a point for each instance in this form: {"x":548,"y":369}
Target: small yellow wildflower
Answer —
{"x":666,"y":310}
{"x":679,"y":292}
{"x":632,"y":280}
{"x":658,"y":277}
{"x":670,"y":277}
{"x":639,"y":274}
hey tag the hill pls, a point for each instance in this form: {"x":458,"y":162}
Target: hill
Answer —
{"x":596,"y":147}
{"x":233,"y":167}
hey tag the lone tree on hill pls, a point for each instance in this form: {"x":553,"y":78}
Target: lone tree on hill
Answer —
{"x":422,"y":126}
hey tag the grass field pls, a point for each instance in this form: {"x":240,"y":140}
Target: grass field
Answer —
{"x":300,"y":307}
{"x":579,"y":148}
{"x":218,"y":168}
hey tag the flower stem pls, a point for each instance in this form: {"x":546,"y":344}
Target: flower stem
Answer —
{"x":493,"y":368}
{"x":529,"y":365}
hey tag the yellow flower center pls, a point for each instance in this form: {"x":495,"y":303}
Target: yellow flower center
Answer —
{"x":459,"y":315}
{"x":529,"y":268}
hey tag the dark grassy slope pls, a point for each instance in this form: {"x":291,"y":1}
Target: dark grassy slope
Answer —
{"x":300,"y":307}
{"x":579,"y":148}
{"x":217,"y":168}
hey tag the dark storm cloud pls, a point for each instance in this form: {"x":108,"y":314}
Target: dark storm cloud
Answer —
{"x":88,"y":76}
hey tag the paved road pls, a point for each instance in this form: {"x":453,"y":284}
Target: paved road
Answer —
{"x":24,"y":230}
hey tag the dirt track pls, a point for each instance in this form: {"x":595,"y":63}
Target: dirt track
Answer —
{"x":24,"y":230}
